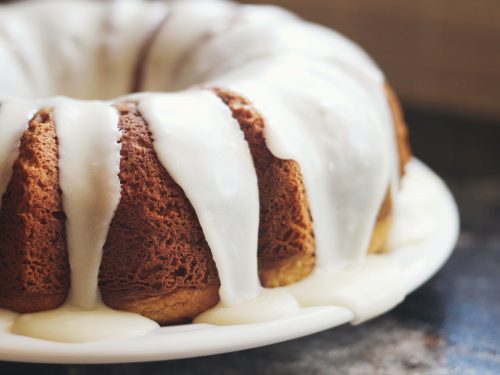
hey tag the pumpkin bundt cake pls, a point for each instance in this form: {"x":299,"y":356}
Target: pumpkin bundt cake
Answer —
{"x":258,"y":149}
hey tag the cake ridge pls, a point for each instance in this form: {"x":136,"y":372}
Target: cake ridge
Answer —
{"x":41,"y":279}
{"x":184,"y":279}
{"x":275,"y":255}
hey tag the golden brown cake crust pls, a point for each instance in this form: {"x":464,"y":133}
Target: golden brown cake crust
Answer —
{"x":155,"y":253}
{"x":34,"y":270}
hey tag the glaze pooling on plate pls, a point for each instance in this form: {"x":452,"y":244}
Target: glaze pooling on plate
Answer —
{"x":89,"y":163}
{"x":324,"y":106}
{"x":73,"y":324}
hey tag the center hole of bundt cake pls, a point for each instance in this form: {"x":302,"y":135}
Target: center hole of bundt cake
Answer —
{"x":105,"y":90}
{"x":100,"y":72}
{"x":109,"y":88}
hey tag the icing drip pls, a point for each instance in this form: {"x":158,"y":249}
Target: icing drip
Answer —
{"x":89,"y":162}
{"x":195,"y":131}
{"x":14,"y":118}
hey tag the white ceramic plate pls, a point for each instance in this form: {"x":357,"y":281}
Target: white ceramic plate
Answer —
{"x":420,"y":261}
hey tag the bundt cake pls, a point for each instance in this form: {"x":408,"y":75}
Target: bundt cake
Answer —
{"x":256,"y":150}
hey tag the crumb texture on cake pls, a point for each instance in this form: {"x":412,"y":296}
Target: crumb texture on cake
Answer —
{"x":34,"y":269}
{"x":154,"y":216}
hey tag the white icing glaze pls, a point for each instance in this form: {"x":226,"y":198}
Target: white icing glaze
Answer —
{"x":14,"y":82}
{"x":203,"y":149}
{"x":14,"y":118}
{"x":89,"y":163}
{"x":411,"y":206}
{"x":190,"y":22}
{"x":256,"y":39}
{"x":367,"y":288}
{"x":72,"y":324}
{"x":216,"y":54}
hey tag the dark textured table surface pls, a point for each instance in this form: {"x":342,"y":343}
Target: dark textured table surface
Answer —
{"x":451,"y":325}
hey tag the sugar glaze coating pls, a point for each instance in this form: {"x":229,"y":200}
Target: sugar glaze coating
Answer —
{"x":322,"y":101}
